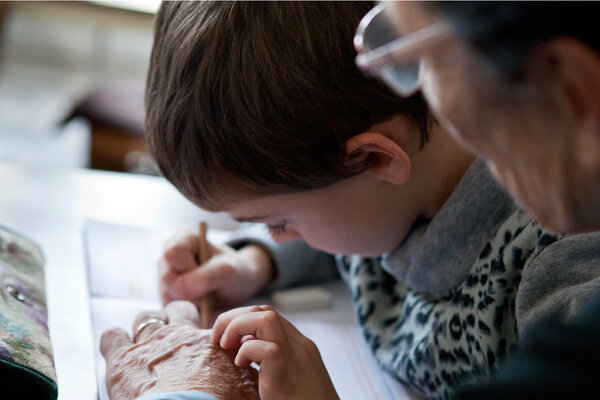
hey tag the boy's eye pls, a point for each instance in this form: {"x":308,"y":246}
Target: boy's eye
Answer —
{"x":278,"y":229}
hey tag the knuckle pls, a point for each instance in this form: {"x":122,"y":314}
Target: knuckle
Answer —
{"x":166,"y":299}
{"x":170,"y":255}
{"x":167,"y":278}
{"x":270,"y":318}
{"x":181,"y":306}
{"x":219,"y":320}
{"x":222,"y":263}
{"x":181,"y":247}
{"x":179,"y":289}
{"x":309,"y":345}
{"x":272,"y":351}
{"x":202,"y":277}
{"x":109,"y":335}
{"x":227,"y":269}
{"x":142,"y":316}
{"x":223,"y":249}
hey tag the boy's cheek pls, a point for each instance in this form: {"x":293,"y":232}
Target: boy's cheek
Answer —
{"x":286,"y":236}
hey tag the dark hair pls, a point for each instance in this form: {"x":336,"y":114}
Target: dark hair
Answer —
{"x":257,"y":98}
{"x":506,"y":33}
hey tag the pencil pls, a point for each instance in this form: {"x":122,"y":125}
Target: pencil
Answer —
{"x":203,"y":256}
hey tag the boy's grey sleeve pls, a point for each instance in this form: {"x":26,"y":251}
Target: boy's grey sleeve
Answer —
{"x":560,"y":282}
{"x":295,"y":261}
{"x":178,"y":396}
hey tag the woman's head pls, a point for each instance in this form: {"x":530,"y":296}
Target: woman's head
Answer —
{"x":520,"y":85}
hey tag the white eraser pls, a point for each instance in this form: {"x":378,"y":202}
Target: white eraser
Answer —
{"x":301,"y":299}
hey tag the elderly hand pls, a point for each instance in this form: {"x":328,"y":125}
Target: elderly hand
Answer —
{"x":290,"y":363}
{"x":170,"y":357}
{"x":230,"y":276}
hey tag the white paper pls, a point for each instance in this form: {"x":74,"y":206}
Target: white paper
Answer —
{"x":123,"y":282}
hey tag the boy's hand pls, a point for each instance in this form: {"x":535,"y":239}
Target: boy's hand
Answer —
{"x":290,"y":363}
{"x":229,"y":276}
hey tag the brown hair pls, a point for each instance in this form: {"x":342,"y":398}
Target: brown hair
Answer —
{"x":257,"y":98}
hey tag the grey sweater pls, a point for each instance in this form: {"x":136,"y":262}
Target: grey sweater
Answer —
{"x":461,"y":290}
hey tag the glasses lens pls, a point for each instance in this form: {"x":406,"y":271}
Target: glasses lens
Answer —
{"x":403,"y":79}
{"x":379,"y":32}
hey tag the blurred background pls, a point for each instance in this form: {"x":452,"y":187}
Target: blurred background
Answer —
{"x":72,"y":83}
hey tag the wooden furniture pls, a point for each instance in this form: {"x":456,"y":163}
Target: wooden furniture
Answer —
{"x":116,"y":113}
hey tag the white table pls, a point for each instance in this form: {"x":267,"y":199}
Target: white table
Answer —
{"x":50,"y":206}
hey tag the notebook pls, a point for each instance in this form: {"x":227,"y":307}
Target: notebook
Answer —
{"x":123,"y":281}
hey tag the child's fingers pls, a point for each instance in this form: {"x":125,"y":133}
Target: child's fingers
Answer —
{"x":266,"y":354}
{"x":165,"y":296}
{"x":182,"y":235}
{"x":164,"y":271}
{"x":181,"y":256}
{"x":263,"y":325}
{"x":201,"y":281}
{"x":290,"y":329}
{"x":225,"y":318}
{"x":166,"y":277}
{"x":217,"y":249}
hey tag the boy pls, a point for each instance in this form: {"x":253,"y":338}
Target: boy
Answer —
{"x":257,"y":110}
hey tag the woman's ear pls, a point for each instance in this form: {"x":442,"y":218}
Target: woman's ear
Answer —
{"x":578,"y":71}
{"x":379,"y":155}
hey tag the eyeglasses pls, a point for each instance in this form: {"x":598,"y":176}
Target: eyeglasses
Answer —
{"x":395,"y":60}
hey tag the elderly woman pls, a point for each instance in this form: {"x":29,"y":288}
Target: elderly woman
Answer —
{"x":516,"y":83}
{"x":519,"y":83}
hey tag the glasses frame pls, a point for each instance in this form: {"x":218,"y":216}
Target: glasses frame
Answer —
{"x":404,"y":50}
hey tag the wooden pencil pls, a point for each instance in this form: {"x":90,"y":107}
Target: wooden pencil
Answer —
{"x":203,"y":256}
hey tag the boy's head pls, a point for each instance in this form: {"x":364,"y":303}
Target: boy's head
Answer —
{"x":248,"y":99}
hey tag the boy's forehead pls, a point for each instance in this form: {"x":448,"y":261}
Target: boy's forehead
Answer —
{"x":254,"y":209}
{"x":268,"y":207}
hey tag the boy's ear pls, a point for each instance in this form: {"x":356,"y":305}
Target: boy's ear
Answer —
{"x":379,"y":155}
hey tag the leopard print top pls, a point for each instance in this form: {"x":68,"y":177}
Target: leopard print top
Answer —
{"x":433,"y":344}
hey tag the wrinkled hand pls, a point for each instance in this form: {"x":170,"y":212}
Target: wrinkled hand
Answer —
{"x":229,"y":276}
{"x":174,"y":357}
{"x":290,"y":363}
